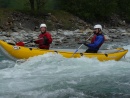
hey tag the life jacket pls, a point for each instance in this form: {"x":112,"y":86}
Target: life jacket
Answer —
{"x":94,"y":38}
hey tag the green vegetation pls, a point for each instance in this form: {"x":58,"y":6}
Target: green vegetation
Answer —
{"x":98,"y":10}
{"x":14,"y":4}
{"x":63,"y":18}
{"x":1,"y":16}
{"x":4,"y":13}
{"x":89,"y":10}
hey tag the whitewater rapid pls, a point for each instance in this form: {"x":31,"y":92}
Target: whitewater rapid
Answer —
{"x":53,"y":76}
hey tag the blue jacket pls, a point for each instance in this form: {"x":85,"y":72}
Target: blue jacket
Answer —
{"x":97,"y":42}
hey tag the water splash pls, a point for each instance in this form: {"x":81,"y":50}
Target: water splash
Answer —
{"x":53,"y":76}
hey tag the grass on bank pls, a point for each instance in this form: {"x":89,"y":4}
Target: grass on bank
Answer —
{"x":65,"y":19}
{"x":4,"y":14}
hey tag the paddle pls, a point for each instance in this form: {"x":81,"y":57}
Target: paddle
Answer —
{"x":23,"y":43}
{"x":81,"y":46}
{"x":20,"y":43}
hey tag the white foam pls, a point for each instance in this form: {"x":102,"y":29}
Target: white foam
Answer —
{"x":49,"y":74}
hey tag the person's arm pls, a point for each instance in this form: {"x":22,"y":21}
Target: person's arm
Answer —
{"x":96,"y":43}
{"x":49,"y":38}
{"x":38,"y":40}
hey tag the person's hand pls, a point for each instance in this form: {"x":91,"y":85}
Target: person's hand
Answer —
{"x":31,"y":40}
{"x":85,"y":43}
{"x":34,"y":41}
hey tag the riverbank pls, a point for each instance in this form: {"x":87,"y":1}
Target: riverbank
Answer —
{"x":67,"y":30}
{"x":56,"y":19}
{"x":67,"y":38}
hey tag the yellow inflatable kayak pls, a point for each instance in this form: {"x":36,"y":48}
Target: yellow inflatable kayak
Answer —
{"x":14,"y":52}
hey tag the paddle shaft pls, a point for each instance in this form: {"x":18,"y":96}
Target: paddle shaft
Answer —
{"x":81,"y":45}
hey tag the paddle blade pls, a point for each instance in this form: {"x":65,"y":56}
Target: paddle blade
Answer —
{"x":76,"y":51}
{"x":20,"y":44}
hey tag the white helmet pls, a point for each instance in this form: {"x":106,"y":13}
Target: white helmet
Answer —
{"x":43,"y":25}
{"x":98,"y":26}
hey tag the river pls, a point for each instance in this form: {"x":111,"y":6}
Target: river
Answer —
{"x":53,"y":76}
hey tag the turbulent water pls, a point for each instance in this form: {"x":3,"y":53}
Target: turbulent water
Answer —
{"x":53,"y":76}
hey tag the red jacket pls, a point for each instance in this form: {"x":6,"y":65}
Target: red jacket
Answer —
{"x":40,"y":41}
